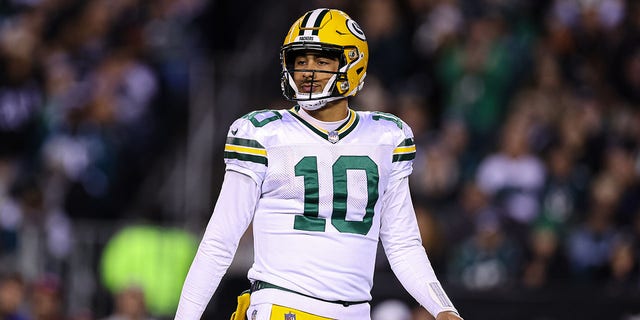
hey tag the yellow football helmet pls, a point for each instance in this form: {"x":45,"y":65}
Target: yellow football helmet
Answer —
{"x":333,"y":33}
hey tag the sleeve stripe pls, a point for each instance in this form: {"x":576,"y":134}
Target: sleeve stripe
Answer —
{"x":408,"y":149}
{"x":244,"y":142}
{"x":405,"y":151}
{"x":403,"y":157}
{"x":407,"y":142}
{"x":245,"y":150}
{"x":245,"y":157}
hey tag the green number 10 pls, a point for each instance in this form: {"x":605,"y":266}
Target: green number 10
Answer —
{"x":308,"y":168}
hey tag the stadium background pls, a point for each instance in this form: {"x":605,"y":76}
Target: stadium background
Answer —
{"x":526,"y":113}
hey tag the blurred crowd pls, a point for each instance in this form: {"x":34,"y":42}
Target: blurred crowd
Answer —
{"x":91,"y":94}
{"x":527,"y":121}
{"x":526,"y":115}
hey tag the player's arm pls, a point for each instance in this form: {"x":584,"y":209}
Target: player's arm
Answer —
{"x":231,"y":216}
{"x":401,"y":240}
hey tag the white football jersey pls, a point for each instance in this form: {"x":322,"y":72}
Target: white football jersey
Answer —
{"x":317,"y":223}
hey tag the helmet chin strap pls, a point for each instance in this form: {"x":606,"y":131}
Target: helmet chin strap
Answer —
{"x":311,"y":105}
{"x":308,"y":101}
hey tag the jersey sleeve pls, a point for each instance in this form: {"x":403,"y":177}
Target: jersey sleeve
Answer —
{"x":230,"y":219}
{"x":244,"y":149}
{"x":401,"y":240}
{"x":404,"y":153}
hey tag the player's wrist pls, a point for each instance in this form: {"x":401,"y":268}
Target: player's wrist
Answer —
{"x":449,"y":315}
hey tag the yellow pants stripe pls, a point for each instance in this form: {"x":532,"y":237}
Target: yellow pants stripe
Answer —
{"x":286,"y":313}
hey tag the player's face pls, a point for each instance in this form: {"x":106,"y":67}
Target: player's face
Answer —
{"x":313,"y":71}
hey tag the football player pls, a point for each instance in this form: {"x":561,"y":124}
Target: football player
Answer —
{"x":321,"y":183}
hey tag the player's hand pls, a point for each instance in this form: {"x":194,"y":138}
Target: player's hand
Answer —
{"x":448,"y":315}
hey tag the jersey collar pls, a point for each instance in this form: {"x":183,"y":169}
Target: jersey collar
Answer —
{"x":332,"y":136}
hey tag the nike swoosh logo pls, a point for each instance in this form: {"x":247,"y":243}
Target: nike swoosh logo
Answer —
{"x":234,"y":131}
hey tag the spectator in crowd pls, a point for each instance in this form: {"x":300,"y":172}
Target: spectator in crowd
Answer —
{"x":129,"y":305}
{"x":514,"y":177}
{"x":388,"y":36}
{"x":437,"y":175}
{"x":487,"y":259}
{"x":622,"y":269}
{"x":476,"y":73}
{"x":28,"y":213}
{"x":12,"y":297}
{"x":563,"y":191}
{"x":461,"y":217}
{"x":620,"y":164}
{"x":590,"y":243}
{"x":21,"y":91}
{"x":46,"y":299}
{"x":545,"y":264}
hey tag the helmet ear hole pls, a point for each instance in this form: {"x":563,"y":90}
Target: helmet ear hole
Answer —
{"x":353,"y":54}
{"x":344,"y":86}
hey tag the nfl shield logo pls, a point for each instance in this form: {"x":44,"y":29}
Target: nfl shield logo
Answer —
{"x":334,"y":136}
{"x":290,"y":316}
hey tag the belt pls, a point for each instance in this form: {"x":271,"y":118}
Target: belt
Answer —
{"x":259,"y":285}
